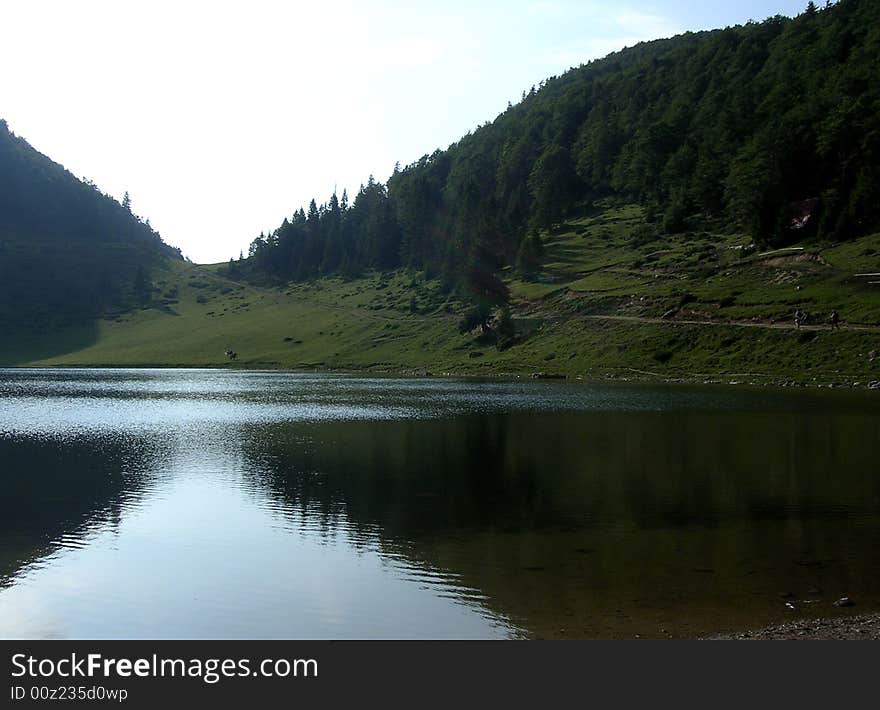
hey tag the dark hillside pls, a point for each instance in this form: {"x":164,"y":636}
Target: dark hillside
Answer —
{"x":67,"y":251}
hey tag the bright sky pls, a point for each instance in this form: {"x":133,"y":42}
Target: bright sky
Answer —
{"x":221,"y":118}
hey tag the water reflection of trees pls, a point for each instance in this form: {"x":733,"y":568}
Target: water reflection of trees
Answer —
{"x":574,"y":520}
{"x":569,"y":512}
{"x":515,"y":472}
{"x":52,"y":491}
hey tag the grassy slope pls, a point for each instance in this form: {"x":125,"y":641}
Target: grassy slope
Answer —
{"x":605,"y":305}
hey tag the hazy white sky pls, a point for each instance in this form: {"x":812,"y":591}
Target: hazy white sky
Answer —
{"x":221,"y":118}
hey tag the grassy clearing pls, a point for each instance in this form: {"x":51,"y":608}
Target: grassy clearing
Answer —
{"x":612,"y":300}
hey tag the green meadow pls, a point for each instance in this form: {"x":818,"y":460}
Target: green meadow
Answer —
{"x":612,"y":299}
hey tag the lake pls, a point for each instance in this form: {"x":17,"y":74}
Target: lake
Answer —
{"x":231,"y":504}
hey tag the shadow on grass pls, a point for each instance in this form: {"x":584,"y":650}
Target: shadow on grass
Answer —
{"x":20,"y":346}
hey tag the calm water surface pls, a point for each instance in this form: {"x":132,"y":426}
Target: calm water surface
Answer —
{"x":199,"y":504}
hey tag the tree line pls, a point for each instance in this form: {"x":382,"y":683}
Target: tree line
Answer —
{"x":732,"y":126}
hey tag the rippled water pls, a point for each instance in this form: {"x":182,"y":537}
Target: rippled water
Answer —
{"x":196,"y":504}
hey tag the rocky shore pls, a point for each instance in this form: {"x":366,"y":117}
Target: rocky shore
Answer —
{"x":860,"y":627}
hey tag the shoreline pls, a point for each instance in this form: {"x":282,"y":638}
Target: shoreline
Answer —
{"x":625,"y":376}
{"x":860,"y":627}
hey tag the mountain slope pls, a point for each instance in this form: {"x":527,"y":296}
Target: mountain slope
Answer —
{"x":67,"y":252}
{"x":605,"y":221}
{"x":606,"y":303}
{"x":770,"y":128}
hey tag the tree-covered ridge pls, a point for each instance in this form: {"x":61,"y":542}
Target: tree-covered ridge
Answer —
{"x":67,"y":251}
{"x":757,"y":126}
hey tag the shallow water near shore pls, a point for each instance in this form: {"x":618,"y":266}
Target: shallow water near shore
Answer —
{"x":227,"y":504}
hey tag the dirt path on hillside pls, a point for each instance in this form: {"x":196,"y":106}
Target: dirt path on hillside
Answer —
{"x":737,"y":324}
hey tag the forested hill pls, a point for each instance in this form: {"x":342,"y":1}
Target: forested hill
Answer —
{"x":771,"y":128}
{"x":67,"y":251}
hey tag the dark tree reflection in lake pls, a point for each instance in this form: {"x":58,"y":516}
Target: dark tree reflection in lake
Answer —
{"x":187,"y":503}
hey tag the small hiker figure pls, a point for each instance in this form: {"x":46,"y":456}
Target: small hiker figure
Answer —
{"x":835,"y":320}
{"x":799,"y":318}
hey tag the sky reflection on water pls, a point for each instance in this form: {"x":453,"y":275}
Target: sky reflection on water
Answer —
{"x":217,"y":504}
